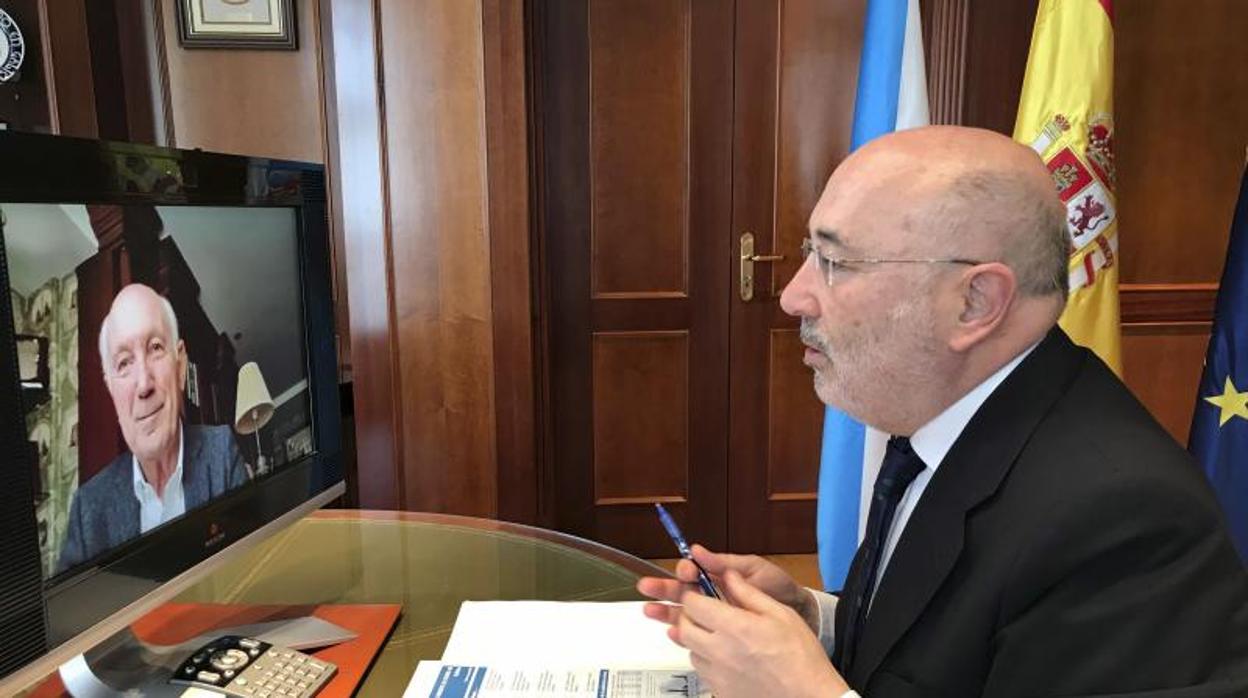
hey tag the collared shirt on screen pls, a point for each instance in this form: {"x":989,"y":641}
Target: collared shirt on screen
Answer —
{"x":153,"y":509}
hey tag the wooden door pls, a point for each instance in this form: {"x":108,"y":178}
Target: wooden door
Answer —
{"x":667,"y":129}
{"x":796,"y":73}
{"x":635,"y":155}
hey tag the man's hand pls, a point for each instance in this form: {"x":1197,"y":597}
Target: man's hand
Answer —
{"x":759,"y":648}
{"x":761,"y":574}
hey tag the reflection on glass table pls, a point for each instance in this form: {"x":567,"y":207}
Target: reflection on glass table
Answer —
{"x":428,"y":563}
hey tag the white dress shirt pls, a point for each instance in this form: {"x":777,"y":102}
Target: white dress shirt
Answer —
{"x":931,"y":442}
{"x":153,"y":509}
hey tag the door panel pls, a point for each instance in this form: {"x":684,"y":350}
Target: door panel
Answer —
{"x":641,"y":417}
{"x":797,"y":65}
{"x":639,"y":147}
{"x":635,"y":217}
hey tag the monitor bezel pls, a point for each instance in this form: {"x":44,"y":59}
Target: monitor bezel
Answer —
{"x":55,"y":169}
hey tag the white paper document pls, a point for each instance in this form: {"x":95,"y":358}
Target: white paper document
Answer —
{"x":551,"y":649}
{"x":564,"y":634}
{"x":442,"y":680}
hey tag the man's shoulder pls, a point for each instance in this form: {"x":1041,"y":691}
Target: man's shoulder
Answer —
{"x":1099,"y":455}
{"x":1100,"y":427}
{"x":217,"y":432}
{"x":1094,"y":453}
{"x":213,"y":438}
{"x":212,"y":462}
{"x":108,"y":494}
{"x":113,"y":479}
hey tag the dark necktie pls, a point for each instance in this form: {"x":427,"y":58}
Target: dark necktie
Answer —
{"x":901,"y":466}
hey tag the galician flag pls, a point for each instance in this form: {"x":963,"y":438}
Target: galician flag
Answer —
{"x":1219,"y":438}
{"x":892,"y":95}
{"x":1066,"y":115}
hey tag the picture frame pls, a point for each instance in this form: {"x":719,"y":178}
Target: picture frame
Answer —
{"x":299,"y":444}
{"x":241,"y":24}
{"x":192,"y":383}
{"x":33,"y":370}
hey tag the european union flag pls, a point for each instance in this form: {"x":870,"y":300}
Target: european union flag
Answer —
{"x":1219,"y":438}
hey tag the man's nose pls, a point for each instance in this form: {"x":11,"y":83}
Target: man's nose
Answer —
{"x":798,"y":298}
{"x":145,"y":384}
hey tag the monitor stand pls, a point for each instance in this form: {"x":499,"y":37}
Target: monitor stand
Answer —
{"x":124,"y":665}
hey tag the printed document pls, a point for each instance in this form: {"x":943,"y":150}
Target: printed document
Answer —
{"x":568,"y":634}
{"x":550,"y":649}
{"x":441,"y":680}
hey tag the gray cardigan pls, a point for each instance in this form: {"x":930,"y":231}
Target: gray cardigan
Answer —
{"x":105,"y":512}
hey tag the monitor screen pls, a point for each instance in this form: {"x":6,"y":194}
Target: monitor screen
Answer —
{"x":162,"y":363}
{"x":169,"y":377}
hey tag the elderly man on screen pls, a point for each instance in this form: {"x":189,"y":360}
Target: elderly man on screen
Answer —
{"x":171,"y":467}
{"x":1033,"y":531}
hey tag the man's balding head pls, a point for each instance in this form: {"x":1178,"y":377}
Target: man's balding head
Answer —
{"x":941,"y":254}
{"x":965,"y":189}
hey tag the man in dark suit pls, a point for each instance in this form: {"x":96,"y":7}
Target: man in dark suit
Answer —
{"x":1033,"y":531}
{"x":170,"y":467}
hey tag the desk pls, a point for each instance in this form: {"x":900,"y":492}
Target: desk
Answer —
{"x":429,"y":563}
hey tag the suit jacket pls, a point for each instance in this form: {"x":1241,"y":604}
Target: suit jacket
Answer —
{"x":1066,"y":546}
{"x":105,"y":512}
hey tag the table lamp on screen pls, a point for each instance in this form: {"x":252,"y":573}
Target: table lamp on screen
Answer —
{"x":253,"y":407}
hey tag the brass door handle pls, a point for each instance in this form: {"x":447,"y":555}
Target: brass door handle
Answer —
{"x":748,"y":259}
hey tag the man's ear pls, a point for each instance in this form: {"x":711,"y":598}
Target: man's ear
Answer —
{"x":987,"y":292}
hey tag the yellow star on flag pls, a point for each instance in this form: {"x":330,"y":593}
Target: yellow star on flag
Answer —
{"x":1231,"y":402}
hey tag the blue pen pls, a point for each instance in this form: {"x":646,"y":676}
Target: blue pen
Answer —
{"x":704,"y":579}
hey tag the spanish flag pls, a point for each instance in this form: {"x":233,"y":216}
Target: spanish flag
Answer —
{"x":1066,"y":115}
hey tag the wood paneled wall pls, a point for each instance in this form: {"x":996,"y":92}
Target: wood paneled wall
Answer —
{"x":1181,"y":95}
{"x":436,"y":230}
{"x":87,"y":71}
{"x":431,"y":63}
{"x":54,"y":92}
{"x":67,"y":62}
{"x":120,"y":38}
{"x":24,"y":100}
{"x":360,"y":200}
{"x":265,"y":103}
{"x":508,"y":167}
{"x":1181,"y":103}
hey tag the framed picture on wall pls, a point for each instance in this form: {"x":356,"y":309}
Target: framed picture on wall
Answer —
{"x":192,"y":383}
{"x":299,"y":444}
{"x":268,"y":24}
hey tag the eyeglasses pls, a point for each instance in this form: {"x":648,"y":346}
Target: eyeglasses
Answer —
{"x":831,"y":267}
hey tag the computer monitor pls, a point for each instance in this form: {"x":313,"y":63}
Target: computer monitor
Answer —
{"x":168,"y":371}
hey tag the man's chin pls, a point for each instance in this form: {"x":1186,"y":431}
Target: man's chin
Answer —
{"x":824,"y":391}
{"x":153,"y":444}
{"x":832,"y":395}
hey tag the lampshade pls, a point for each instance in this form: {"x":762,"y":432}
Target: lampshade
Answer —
{"x":253,"y":407}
